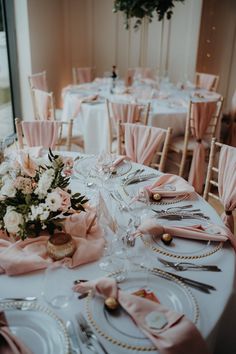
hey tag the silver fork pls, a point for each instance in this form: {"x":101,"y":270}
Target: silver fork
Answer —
{"x":84,"y":337}
{"x":89,"y":332}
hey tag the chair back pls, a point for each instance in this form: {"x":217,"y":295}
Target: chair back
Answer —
{"x":82,"y":75}
{"x":201,"y":124}
{"x":44,"y":106}
{"x":128,"y":112}
{"x":38,"y":81}
{"x":139,"y":72}
{"x":42,"y":133}
{"x":207,"y":81}
{"x":144,"y":144}
{"x":221,"y":179}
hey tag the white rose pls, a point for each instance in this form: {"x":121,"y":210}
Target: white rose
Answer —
{"x":4,"y":168}
{"x":53,"y":201}
{"x":12,"y":220}
{"x":8,"y":189}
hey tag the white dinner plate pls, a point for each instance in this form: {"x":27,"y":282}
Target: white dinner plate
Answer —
{"x":120,"y":329}
{"x":37,"y":326}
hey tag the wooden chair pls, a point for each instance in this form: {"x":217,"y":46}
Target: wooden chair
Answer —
{"x":38,"y":81}
{"x":207,"y":81}
{"x":44,"y":105}
{"x":124,"y":112}
{"x":151,"y":137}
{"x":184,"y":146}
{"x":216,"y":188}
{"x":82,"y":75}
{"x":33,"y":133}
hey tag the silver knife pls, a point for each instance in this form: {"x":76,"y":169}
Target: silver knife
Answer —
{"x":26,"y":298}
{"x":187,"y":266}
{"x":181,"y":217}
{"x":141,"y":179}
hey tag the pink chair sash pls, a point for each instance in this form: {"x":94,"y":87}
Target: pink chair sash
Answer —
{"x":10,"y":344}
{"x":145,"y":73}
{"x":38,"y":81}
{"x":84,"y":75}
{"x":178,"y":336}
{"x":197,"y":232}
{"x":227,"y":183}
{"x":41,"y":133}
{"x":43,"y":105}
{"x":206,"y":81}
{"x":202,"y":115}
{"x":125,"y":112}
{"x":142,"y":142}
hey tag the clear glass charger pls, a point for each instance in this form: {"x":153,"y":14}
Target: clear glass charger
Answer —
{"x":182,"y":248}
{"x":85,"y":166}
{"x":37,"y":326}
{"x":120,"y":329}
{"x":132,"y":189}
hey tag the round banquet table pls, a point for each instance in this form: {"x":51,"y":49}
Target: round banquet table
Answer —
{"x":216,"y":310}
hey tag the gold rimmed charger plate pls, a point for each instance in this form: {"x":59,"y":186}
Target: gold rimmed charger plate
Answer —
{"x":130,"y":189}
{"x":182,"y":248}
{"x":119,"y":329}
{"x":37,"y":326}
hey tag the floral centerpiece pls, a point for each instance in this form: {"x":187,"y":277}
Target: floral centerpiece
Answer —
{"x":35,"y":195}
{"x":140,"y":9}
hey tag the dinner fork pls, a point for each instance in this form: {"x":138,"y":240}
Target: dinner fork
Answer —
{"x":89,"y":332}
{"x":181,"y":266}
{"x":84,"y":338}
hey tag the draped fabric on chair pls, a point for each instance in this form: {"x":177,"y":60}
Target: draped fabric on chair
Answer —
{"x":142,"y":142}
{"x":43,"y":105}
{"x":232,"y":128}
{"x":202,"y":115}
{"x":83,"y":75}
{"x":207,"y":81}
{"x":39,"y":81}
{"x":41,"y":133}
{"x":227,"y":183}
{"x":125,"y":112}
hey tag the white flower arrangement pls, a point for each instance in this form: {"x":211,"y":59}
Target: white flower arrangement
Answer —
{"x":36,"y":197}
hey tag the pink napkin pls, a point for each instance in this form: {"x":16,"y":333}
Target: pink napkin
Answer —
{"x":197,"y":232}
{"x":9,"y":344}
{"x":169,"y":185}
{"x":177,"y":336}
{"x":119,"y":160}
{"x":31,"y":254}
{"x":81,"y":100}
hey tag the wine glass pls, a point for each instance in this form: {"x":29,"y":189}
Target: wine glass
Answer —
{"x":57,"y":290}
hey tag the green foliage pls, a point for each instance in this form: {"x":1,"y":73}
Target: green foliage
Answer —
{"x":144,"y":8}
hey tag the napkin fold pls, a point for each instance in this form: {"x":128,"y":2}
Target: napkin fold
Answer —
{"x":177,"y":336}
{"x":10,"y":344}
{"x":80,"y":100}
{"x":19,"y":257}
{"x":170,"y":186}
{"x":211,"y":232}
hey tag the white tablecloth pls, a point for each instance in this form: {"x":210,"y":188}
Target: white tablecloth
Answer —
{"x":216,"y":318}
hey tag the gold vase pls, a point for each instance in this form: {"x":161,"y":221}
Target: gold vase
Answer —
{"x":60,"y":245}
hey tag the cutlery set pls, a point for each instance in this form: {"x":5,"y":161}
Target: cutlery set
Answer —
{"x":181,"y":266}
{"x":178,"y":217}
{"x":88,"y":337}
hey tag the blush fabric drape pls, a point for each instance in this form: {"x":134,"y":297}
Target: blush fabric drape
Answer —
{"x":202,"y":115}
{"x":227,"y":183}
{"x":41,"y":133}
{"x":142,"y":142}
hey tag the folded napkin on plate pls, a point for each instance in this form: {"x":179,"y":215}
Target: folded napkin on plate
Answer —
{"x":10,"y":344}
{"x":169,"y":185}
{"x":211,"y":232}
{"x":119,"y":160}
{"x":80,"y":100}
{"x":31,"y":254}
{"x":171,"y":332}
